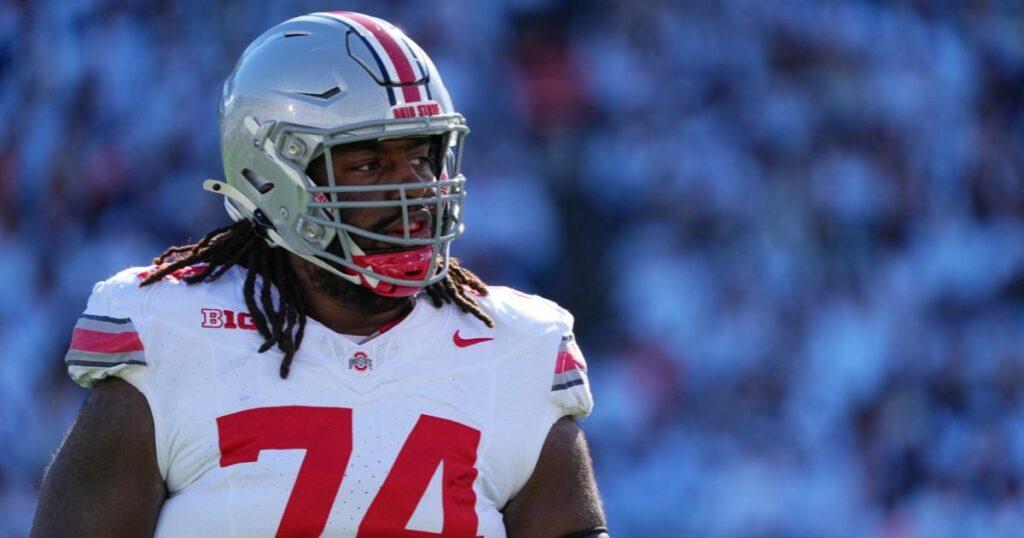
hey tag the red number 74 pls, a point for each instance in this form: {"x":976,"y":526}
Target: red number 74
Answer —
{"x":326,"y":435}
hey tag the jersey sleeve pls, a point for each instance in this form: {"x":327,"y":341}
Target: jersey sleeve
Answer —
{"x":556,"y":365}
{"x":570,"y":387}
{"x":105,"y":341}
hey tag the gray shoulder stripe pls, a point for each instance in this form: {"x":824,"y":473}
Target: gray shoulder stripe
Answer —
{"x":88,"y":358}
{"x":99,"y":323}
{"x":107,"y":319}
{"x":102,"y":364}
{"x":567,"y":376}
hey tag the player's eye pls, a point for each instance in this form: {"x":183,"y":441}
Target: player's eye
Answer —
{"x":364,"y":166}
{"x":420,"y":162}
{"x":423,"y":163}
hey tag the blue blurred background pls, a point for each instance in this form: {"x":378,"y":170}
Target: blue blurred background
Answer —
{"x":792,"y":232}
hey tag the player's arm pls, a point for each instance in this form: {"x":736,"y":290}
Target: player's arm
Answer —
{"x":560,"y":498}
{"x":104,"y":480}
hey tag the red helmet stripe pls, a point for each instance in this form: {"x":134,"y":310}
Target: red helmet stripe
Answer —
{"x":398,"y":55}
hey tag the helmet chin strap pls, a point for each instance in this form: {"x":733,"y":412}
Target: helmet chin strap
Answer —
{"x":393,"y":264}
{"x":404,"y":264}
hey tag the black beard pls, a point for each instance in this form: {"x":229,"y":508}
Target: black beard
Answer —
{"x":352,"y":296}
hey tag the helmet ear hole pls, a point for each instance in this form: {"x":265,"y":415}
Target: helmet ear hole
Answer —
{"x":438,"y":148}
{"x":262,"y":185}
{"x":317,"y":169}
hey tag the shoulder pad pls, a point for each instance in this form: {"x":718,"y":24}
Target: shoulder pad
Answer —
{"x":524,"y":311}
{"x":532,"y":315}
{"x":105,"y":339}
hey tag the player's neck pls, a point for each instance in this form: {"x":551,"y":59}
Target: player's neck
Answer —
{"x":345,"y":308}
{"x":341,"y":319}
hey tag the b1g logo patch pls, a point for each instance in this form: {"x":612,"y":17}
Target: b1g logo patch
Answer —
{"x":360,"y":364}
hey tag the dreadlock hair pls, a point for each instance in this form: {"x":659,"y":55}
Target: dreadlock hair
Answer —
{"x":284,"y":323}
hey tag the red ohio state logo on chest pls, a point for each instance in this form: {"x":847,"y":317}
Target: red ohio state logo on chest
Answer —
{"x":360,"y":364}
{"x":222,"y":318}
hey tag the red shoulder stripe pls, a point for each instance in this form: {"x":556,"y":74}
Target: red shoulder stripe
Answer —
{"x":567,"y":360}
{"x":102,"y":342}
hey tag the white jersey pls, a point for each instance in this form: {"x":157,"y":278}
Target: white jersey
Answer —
{"x":431,"y":426}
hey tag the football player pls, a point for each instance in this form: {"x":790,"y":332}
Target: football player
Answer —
{"x":322,"y":366}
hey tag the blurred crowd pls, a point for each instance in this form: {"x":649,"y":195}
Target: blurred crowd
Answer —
{"x":792,"y":232}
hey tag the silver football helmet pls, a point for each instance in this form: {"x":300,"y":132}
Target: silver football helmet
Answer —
{"x":322,"y":80}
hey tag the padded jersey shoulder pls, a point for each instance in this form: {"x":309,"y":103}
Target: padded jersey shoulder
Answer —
{"x":108,"y":338}
{"x":525,"y":313}
{"x":124,"y":294}
{"x":119,"y":295}
{"x":532,"y":318}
